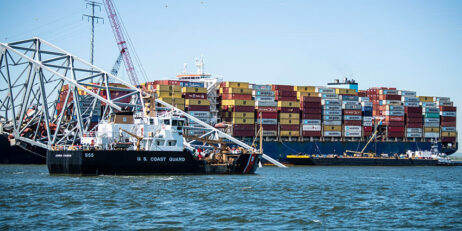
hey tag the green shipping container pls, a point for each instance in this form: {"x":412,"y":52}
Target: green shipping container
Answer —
{"x":432,"y":115}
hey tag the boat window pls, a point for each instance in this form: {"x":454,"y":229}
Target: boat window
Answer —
{"x":151,"y":121}
{"x":171,"y":142}
{"x":167,"y":122}
{"x":174,"y":122}
{"x":159,"y":142}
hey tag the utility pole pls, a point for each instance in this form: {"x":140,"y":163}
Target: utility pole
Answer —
{"x":93,"y":4}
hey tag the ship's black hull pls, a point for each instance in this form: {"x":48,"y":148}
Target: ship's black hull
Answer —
{"x":99,"y":162}
{"x":20,"y":154}
{"x":351,"y":161}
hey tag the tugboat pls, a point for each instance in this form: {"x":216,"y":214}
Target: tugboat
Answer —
{"x":127,"y":144}
{"x":433,"y":153}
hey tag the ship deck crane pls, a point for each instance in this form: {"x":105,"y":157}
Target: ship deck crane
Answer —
{"x":138,"y":138}
{"x":370,"y":140}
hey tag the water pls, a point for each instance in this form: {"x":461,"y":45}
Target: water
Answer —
{"x":289,"y":199}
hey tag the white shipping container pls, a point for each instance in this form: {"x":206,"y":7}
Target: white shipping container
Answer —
{"x":409,"y":99}
{"x":267,"y":121}
{"x":332,"y":122}
{"x":352,"y":106}
{"x":407,"y":93}
{"x":364,"y":99}
{"x":367,"y":104}
{"x":428,"y":104}
{"x":414,"y":134}
{"x":333,"y":113}
{"x":443,"y":99}
{"x":431,"y":110}
{"x":411,"y":104}
{"x":325,"y":90}
{"x":311,"y":122}
{"x":414,"y":130}
{"x":368,"y":124}
{"x":393,"y":113}
{"x":431,"y":125}
{"x":367,"y":118}
{"x":332,"y":108}
{"x":352,"y":128}
{"x":331,"y":102}
{"x":448,"y":113}
{"x":326,"y":118}
{"x":270,"y":133}
{"x":332,"y":133}
{"x":201,"y":114}
{"x":266,"y":104}
{"x":388,"y":92}
{"x":352,"y":134}
{"x":328,"y":96}
{"x":311,"y":127}
{"x":431,"y":135}
{"x":448,"y":129}
{"x":262,"y":93}
{"x":352,"y":117}
{"x":431,"y":120}
{"x":444,"y":103}
{"x":395,"y":108}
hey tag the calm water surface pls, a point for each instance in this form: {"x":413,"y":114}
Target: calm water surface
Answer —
{"x":289,"y":199}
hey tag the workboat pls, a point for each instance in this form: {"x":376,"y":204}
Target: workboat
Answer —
{"x":127,"y":144}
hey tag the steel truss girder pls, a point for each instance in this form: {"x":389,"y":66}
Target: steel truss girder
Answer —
{"x":48,"y":96}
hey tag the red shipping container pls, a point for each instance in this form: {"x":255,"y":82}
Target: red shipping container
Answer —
{"x":413,"y":109}
{"x":389,"y":97}
{"x":236,"y":96}
{"x":167,"y":82}
{"x":394,"y":118}
{"x":282,"y":87}
{"x":362,"y":94}
{"x":311,"y":133}
{"x":238,"y":108}
{"x":267,"y":115}
{"x":448,"y":119}
{"x":243,"y":127}
{"x":414,"y":125}
{"x":393,"y":123}
{"x":289,"y":109}
{"x":415,"y":114}
{"x":414,"y":120}
{"x":448,"y":124}
{"x":352,"y":112}
{"x":448,"y":108}
{"x":266,"y":109}
{"x":310,"y":99}
{"x":285,"y":93}
{"x":395,"y":134}
{"x":352,"y":122}
{"x":290,"y":127}
{"x":286,"y":98}
{"x":367,"y":128}
{"x":310,"y":116}
{"x":195,"y":95}
{"x":198,"y":108}
{"x":244,"y":133}
{"x":310,"y":105}
{"x":395,"y":129}
{"x":367,"y":134}
{"x":448,"y":139}
{"x":312,"y":110}
{"x":268,"y":127}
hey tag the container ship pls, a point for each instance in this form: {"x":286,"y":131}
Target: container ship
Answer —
{"x":311,"y":120}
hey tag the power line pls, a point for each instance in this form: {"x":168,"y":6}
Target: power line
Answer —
{"x":93,"y":4}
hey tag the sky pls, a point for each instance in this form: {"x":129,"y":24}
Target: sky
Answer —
{"x":410,"y":45}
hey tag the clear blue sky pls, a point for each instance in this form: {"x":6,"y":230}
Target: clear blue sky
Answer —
{"x":411,"y":45}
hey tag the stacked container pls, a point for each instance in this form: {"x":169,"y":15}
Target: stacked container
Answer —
{"x":266,"y":109}
{"x":431,"y":117}
{"x":366,"y":107}
{"x":352,"y":114}
{"x":170,"y":94}
{"x":390,"y":107}
{"x":197,"y":105}
{"x":238,"y":108}
{"x":331,"y":112}
{"x":288,"y":110}
{"x":448,"y":115}
{"x":413,"y":114}
{"x":311,"y":111}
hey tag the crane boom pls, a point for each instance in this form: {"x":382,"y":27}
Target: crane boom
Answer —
{"x":121,"y":42}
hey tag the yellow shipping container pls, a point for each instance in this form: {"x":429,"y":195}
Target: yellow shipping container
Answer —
{"x":167,"y":94}
{"x":237,"y":84}
{"x":332,"y":128}
{"x":305,"y":88}
{"x":426,"y":98}
{"x":197,"y":102}
{"x":289,"y":115}
{"x":289,"y":121}
{"x":174,"y":88}
{"x":431,"y":130}
{"x":194,"y":90}
{"x":243,"y":121}
{"x":289,"y":133}
{"x":244,"y":91}
{"x":449,"y":134}
{"x":344,"y":91}
{"x":301,"y":94}
{"x":170,"y":100}
{"x":236,"y":102}
{"x":288,"y":104}
{"x":244,"y":115}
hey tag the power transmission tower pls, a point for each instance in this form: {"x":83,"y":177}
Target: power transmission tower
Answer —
{"x":93,"y":4}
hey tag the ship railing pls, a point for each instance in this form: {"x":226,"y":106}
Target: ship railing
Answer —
{"x":89,"y":134}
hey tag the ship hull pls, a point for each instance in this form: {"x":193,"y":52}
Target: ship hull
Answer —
{"x":21,"y":153}
{"x":100,"y":162}
{"x":280,"y":150}
{"x":356,"y":161}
